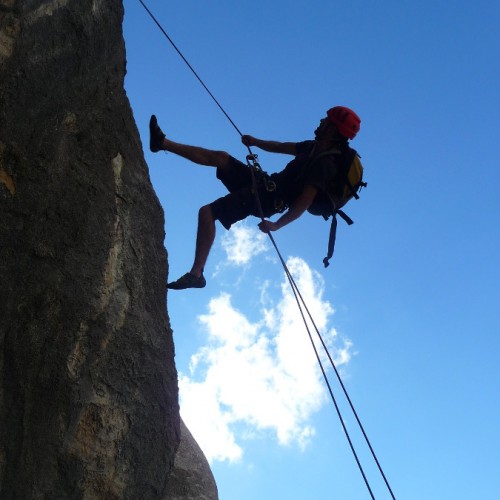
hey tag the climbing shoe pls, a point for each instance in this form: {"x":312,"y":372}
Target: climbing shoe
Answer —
{"x":188,"y":281}
{"x":156,"y":136}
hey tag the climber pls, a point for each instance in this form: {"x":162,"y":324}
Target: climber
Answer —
{"x":295,"y":189}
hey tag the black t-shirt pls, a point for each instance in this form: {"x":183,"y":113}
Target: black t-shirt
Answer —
{"x":291,"y":180}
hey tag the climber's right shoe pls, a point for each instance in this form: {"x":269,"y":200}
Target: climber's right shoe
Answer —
{"x":156,"y":136}
{"x":188,"y":281}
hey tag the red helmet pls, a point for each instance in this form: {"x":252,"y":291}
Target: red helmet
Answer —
{"x":346,"y":121}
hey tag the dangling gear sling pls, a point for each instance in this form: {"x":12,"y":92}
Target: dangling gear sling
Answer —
{"x":349,"y":179}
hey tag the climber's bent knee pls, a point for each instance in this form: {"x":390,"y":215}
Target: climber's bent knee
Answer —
{"x":234,"y":207}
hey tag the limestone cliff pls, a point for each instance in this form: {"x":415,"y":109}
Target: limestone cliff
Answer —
{"x":88,"y":385}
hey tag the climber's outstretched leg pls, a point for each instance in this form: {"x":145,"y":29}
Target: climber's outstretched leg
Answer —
{"x":208,"y":157}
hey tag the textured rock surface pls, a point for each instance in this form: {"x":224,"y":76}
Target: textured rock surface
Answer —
{"x":88,"y":386}
{"x":191,"y":477}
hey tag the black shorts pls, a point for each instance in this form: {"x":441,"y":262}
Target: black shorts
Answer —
{"x":240,"y":202}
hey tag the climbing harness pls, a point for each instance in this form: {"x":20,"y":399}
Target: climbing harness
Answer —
{"x":258,"y":174}
{"x":262,"y":178}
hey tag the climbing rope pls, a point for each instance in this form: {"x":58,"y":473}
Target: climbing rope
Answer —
{"x":189,"y":66}
{"x":254,"y":166}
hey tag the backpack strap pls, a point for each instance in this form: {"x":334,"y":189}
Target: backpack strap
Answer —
{"x":333,"y":234}
{"x":313,"y":158}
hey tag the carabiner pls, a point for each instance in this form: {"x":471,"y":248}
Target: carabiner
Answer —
{"x":252,"y":162}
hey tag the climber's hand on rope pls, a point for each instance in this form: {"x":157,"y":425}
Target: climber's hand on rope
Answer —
{"x":266,"y":226}
{"x":248,"y":140}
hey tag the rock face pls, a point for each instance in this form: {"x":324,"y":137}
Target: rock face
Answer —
{"x":88,"y":385}
{"x":191,"y":477}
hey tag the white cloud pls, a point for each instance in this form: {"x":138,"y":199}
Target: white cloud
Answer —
{"x":242,"y":243}
{"x":202,"y":414}
{"x":262,"y":376}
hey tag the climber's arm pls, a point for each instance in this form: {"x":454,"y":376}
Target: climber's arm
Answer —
{"x":288,"y":148}
{"x":298,"y":207}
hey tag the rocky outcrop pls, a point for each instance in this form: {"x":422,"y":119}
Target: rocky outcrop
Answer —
{"x":88,"y":385}
{"x":191,"y":477}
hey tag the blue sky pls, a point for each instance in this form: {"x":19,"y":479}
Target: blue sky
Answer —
{"x":410,"y":304}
